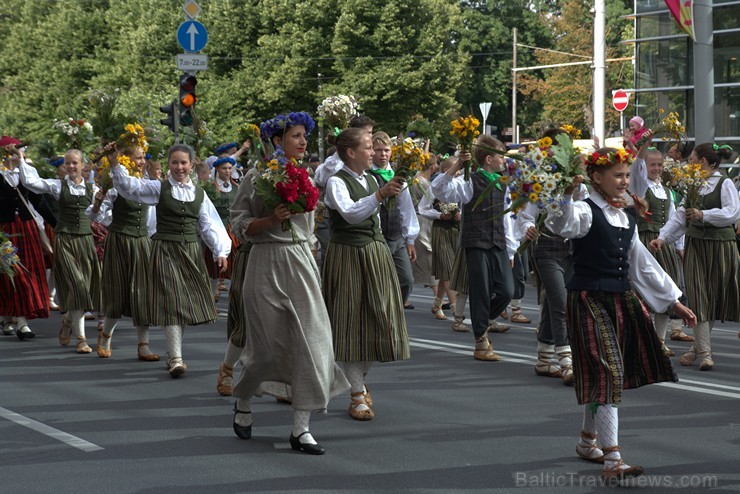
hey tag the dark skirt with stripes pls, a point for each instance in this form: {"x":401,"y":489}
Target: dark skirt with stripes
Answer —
{"x":363,"y":298}
{"x":667,"y":257}
{"x":236,"y":320}
{"x":459,"y":278}
{"x":125,"y":273}
{"x":444,"y":247}
{"x":27,"y":294}
{"x":49,"y":256}
{"x":214,"y":272}
{"x":712,"y":279}
{"x":76,"y":272}
{"x":614,"y":346}
{"x":178,"y":286}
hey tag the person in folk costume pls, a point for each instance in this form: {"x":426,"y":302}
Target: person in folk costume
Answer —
{"x":61,"y":171}
{"x":360,"y":286}
{"x":711,"y":266}
{"x":226,"y":189}
{"x":76,"y":265}
{"x":397,"y":223}
{"x":125,"y":262}
{"x":552,"y":260}
{"x":487,"y":237}
{"x":232,"y":150}
{"x":422,"y":268}
{"x":288,"y":337}
{"x":100,"y":233}
{"x":646,"y":184}
{"x":177,"y":285}
{"x":26,"y":295}
{"x":614,"y":344}
{"x":445,"y":238}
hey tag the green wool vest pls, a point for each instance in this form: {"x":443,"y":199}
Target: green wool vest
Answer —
{"x":699,"y":229}
{"x":223,"y":204}
{"x":658,"y":209}
{"x":72,"y":218}
{"x":177,"y":220}
{"x":364,"y":232}
{"x":129,"y":217}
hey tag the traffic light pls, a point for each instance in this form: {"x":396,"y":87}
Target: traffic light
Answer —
{"x":187,"y":98}
{"x":171,"y":112}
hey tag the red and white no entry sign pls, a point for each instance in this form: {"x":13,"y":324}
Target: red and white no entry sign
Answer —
{"x":620,"y":100}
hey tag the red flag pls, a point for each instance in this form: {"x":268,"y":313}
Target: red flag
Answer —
{"x":683,"y":12}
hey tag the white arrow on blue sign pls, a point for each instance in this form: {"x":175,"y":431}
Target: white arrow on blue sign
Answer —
{"x":192,"y":36}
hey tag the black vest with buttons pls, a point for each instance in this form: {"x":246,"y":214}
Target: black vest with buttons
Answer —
{"x":177,"y":220}
{"x":390,"y":219}
{"x":72,"y":217}
{"x":129,"y":217}
{"x":600,"y":258}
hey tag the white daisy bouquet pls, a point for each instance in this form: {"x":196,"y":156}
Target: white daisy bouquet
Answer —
{"x":76,"y":133}
{"x":335,"y":112}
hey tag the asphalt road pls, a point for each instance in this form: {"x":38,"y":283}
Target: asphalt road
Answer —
{"x":74,"y":423}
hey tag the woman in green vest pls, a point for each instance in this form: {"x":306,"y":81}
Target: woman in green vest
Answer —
{"x":76,"y":266}
{"x":360,"y":285}
{"x":125,"y":263}
{"x":178,"y":289}
{"x":711,"y":261}
{"x":226,"y":193}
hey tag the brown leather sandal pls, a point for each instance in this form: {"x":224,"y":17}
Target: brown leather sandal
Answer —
{"x":102,"y":352}
{"x":358,"y":399}
{"x":620,"y":472}
{"x":587,"y":449}
{"x":82,"y":346}
{"x":152,"y":357}
{"x":225,"y":382}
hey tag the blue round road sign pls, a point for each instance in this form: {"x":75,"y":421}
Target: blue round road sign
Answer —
{"x":192,"y":36}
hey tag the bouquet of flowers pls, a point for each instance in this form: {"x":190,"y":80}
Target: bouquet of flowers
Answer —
{"x":448,"y":208}
{"x":335,"y":112}
{"x":283,"y":181}
{"x":689,"y":179}
{"x":669,"y":128}
{"x":133,"y":135}
{"x":9,"y":260}
{"x":76,"y":133}
{"x":465,"y":130}
{"x":408,"y":159}
{"x":572,"y":132}
{"x":251,"y":133}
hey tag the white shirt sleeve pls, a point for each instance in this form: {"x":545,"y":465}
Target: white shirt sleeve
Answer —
{"x":337,"y":198}
{"x":639,"y":183}
{"x":729,"y":213}
{"x":409,"y":222}
{"x":452,"y":189}
{"x":327,"y":169}
{"x":136,"y":189}
{"x":648,"y":278}
{"x":30,"y":179}
{"x":525,"y":219}
{"x":426,"y":208}
{"x":575,"y":221}
{"x":105,"y":213}
{"x":512,"y":244}
{"x":211,"y":229}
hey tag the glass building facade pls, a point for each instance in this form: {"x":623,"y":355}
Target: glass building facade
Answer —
{"x":664,"y":74}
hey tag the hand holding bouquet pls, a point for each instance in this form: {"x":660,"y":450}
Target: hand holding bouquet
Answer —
{"x":669,"y":128}
{"x":408,"y":159}
{"x":689,"y":180}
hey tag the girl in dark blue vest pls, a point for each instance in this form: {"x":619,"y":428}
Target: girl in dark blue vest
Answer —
{"x":614,"y":344}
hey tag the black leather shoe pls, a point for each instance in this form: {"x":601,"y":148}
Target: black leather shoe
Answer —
{"x":27,"y":335}
{"x":409,"y":307}
{"x":446,"y":306}
{"x":311,"y":449}
{"x":242,"y":431}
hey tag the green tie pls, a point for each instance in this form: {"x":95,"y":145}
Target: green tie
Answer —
{"x":385,"y":173}
{"x":492,"y":177}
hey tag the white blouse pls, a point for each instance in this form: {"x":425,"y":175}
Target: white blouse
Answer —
{"x":528,"y":215}
{"x":31,"y":180}
{"x":210,"y":227}
{"x":105,"y":213}
{"x":639,"y":185}
{"x":645,"y":274}
{"x":337,"y":198}
{"x":327,"y":169}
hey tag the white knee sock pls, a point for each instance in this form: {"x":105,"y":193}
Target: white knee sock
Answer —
{"x":77,"y":322}
{"x":589,"y":425}
{"x":516,"y":304}
{"x":109,"y":326}
{"x":233,"y":353}
{"x":22,"y":322}
{"x":174,"y":342}
{"x":607,"y":423}
{"x":661,"y":325}
{"x":702,"y":337}
{"x":462,"y":298}
{"x":355,"y":375}
{"x":301,"y":420}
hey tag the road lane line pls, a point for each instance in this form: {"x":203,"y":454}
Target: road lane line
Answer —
{"x":67,"y":439}
{"x":684,"y":384}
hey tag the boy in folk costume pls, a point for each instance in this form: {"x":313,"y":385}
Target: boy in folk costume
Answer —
{"x":398,"y":223}
{"x":487,"y":238}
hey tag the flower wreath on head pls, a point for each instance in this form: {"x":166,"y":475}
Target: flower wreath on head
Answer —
{"x":620,"y":156}
{"x":276,"y":126}
{"x":223,"y":161}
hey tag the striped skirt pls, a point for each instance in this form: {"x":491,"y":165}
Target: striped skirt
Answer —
{"x":444,"y":247}
{"x":422,"y":268}
{"x":712,"y":279}
{"x":614,"y":346}
{"x":125,"y":273}
{"x":76,"y":272}
{"x":237,"y":317}
{"x":178,"y":286}
{"x":667,"y":257}
{"x":27,"y":294}
{"x":214,"y":272}
{"x":363,"y":298}
{"x":459,"y":279}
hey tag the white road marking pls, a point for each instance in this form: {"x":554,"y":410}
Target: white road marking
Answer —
{"x":519,"y":358}
{"x":67,"y":439}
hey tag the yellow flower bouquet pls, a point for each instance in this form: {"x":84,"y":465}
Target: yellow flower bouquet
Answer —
{"x":465,"y":130}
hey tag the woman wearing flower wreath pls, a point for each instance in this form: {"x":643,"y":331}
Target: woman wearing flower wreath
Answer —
{"x":360,"y":285}
{"x":178,"y":289}
{"x":288,"y":348}
{"x":711,"y":268}
{"x":125,"y":260}
{"x":76,"y":265}
{"x":26,"y":295}
{"x":614,"y":344}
